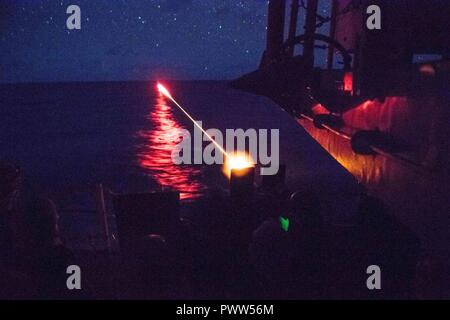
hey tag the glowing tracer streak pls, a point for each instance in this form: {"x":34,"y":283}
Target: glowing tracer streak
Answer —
{"x":163,"y":90}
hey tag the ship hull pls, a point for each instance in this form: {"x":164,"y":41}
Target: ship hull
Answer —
{"x":414,"y":183}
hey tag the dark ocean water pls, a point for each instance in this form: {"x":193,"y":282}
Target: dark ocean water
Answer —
{"x":68,"y":137}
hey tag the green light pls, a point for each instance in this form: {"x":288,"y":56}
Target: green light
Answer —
{"x":284,"y":222}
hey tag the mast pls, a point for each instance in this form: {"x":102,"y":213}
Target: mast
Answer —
{"x":310,"y":29}
{"x":293,"y":23}
{"x":334,"y":10}
{"x":275,"y":30}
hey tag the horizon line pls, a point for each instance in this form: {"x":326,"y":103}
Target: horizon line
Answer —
{"x":112,"y":81}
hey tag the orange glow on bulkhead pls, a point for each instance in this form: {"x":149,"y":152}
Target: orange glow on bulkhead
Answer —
{"x":366,"y":105}
{"x":348,"y":82}
{"x":320,"y":109}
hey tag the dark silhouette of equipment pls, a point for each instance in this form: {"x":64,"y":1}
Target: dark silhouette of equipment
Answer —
{"x":138,"y":215}
{"x":241,"y":183}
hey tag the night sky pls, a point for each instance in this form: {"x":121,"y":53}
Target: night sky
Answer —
{"x":130,"y":39}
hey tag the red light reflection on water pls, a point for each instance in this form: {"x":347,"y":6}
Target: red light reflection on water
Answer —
{"x":155,"y":156}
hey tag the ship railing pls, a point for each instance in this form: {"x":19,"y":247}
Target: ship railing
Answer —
{"x":395,"y":157}
{"x":89,"y":227}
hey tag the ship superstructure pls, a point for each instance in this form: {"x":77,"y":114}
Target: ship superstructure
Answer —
{"x":379,"y":103}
